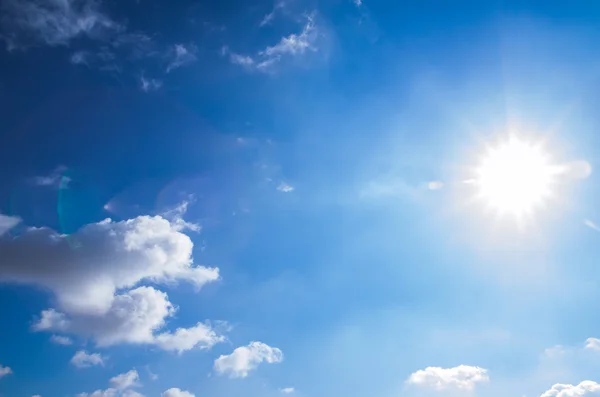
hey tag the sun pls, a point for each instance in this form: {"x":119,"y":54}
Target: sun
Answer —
{"x":515,"y":177}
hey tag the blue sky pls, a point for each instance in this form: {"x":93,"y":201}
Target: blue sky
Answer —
{"x":280,"y":198}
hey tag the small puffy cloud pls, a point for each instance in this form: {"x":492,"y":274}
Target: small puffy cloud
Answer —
{"x":463,"y":377}
{"x":285,"y":188}
{"x":83,"y":359}
{"x":7,"y":223}
{"x":56,"y":22}
{"x":246,"y":358}
{"x":131,"y":393}
{"x":125,"y":380}
{"x":5,"y":371}
{"x":287,"y":390}
{"x":181,"y":55}
{"x":435,"y":185}
{"x":563,"y":390}
{"x":201,"y":336}
{"x":592,"y":344}
{"x":61,"y":340}
{"x":176,"y":392}
{"x":591,"y":224}
{"x":148,"y":85}
{"x":100,"y":393}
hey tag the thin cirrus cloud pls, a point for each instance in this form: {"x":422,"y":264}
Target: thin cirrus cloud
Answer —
{"x":463,"y":377}
{"x":181,"y":55}
{"x":245,"y":359}
{"x":7,"y":223}
{"x":55,"y":22}
{"x":101,"y":259}
{"x":176,"y":392}
{"x":83,"y":359}
{"x":591,"y":224}
{"x":287,"y":390}
{"x":288,"y":47}
{"x":149,"y":84}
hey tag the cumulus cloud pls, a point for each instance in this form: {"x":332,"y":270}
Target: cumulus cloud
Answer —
{"x":181,"y":55}
{"x":56,"y":22}
{"x":85,"y":270}
{"x":5,"y":371}
{"x":247,"y":358}
{"x":131,"y":393}
{"x":565,"y":390}
{"x":463,"y":377}
{"x":201,"y":336}
{"x":592,"y":344}
{"x":61,"y":340}
{"x":83,"y":359}
{"x":7,"y":223}
{"x":125,"y":380}
{"x":176,"y":392}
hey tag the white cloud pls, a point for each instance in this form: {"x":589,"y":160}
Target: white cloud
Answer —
{"x":7,"y":223}
{"x":37,"y":395}
{"x":131,"y":393}
{"x":246,"y":358}
{"x":201,"y":336}
{"x":95,"y":262}
{"x":125,"y":380}
{"x":5,"y":371}
{"x":592,"y":225}
{"x":579,"y":169}
{"x":100,"y":393}
{"x":83,"y":359}
{"x":293,"y":45}
{"x":463,"y":377}
{"x":287,"y":390}
{"x":268,"y":18}
{"x":61,"y":340}
{"x":176,"y":392}
{"x":148,"y":85}
{"x":181,"y":55}
{"x":592,"y":343}
{"x":175,"y":216}
{"x":55,"y":178}
{"x":435,"y":185}
{"x":80,"y":58}
{"x":99,"y":259}
{"x":358,"y":3}
{"x":285,"y":188}
{"x":57,"y":22}
{"x":564,"y":390}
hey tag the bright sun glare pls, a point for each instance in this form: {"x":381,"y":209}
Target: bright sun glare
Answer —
{"x":515,"y":177}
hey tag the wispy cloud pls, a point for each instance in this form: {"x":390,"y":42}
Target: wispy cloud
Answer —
{"x":268,"y":18}
{"x":358,"y":3}
{"x":7,"y":223}
{"x":56,"y":22}
{"x":287,"y":390}
{"x":290,"y":46}
{"x":435,"y":185}
{"x":181,"y":55}
{"x":148,"y":84}
{"x":56,"y":178}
